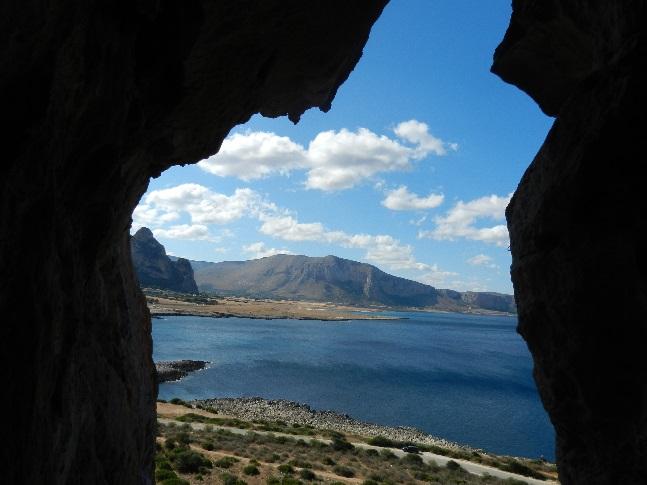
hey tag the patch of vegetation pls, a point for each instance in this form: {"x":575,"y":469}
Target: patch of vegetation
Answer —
{"x":251,"y":470}
{"x":344,"y":471}
{"x":307,"y":474}
{"x":300,"y":461}
{"x":226,"y":462}
{"x":229,"y":479}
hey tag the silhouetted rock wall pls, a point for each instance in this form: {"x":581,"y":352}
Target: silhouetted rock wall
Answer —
{"x":98,"y":96}
{"x":577,"y":226}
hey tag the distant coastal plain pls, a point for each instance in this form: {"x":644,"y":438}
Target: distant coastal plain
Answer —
{"x":161,"y":303}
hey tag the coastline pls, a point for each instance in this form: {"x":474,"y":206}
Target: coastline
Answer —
{"x":261,"y":309}
{"x":291,"y":412}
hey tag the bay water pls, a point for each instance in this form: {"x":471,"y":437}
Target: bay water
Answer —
{"x":465,"y":378}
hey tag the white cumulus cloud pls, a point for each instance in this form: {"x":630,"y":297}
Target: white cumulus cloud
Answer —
{"x":204,"y":205}
{"x":333,"y":160}
{"x":401,"y":199}
{"x":482,"y":260}
{"x":461,"y":221}
{"x":260,"y":250}
{"x":191,"y":232}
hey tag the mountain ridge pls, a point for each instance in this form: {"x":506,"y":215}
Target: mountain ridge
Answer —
{"x":335,"y":279}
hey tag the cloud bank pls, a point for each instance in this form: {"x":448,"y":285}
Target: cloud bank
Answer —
{"x":333,"y":160}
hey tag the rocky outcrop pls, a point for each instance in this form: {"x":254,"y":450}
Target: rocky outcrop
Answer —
{"x":97,"y":97}
{"x":155,"y":269}
{"x":577,"y":224}
{"x":174,"y":370}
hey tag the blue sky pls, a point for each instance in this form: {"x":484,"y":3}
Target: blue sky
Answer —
{"x":410,"y":170}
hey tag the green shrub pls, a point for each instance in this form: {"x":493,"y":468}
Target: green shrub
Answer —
{"x":452,"y":465}
{"x":283,"y":481}
{"x":183,"y":438}
{"x":383,"y":442}
{"x":388,"y":454}
{"x":229,"y":479}
{"x":328,"y":461}
{"x":340,"y":444}
{"x":307,"y":474}
{"x":521,"y":469}
{"x":208,"y":445}
{"x":298,"y":462}
{"x":225,"y":462}
{"x":162,"y":463}
{"x":369,"y":482}
{"x":174,"y":481}
{"x":286,"y":469}
{"x":371,"y":452}
{"x":170,"y":444}
{"x":344,"y":471}
{"x":410,"y":459}
{"x":177,"y":400}
{"x":251,"y":470}
{"x":188,"y":461}
{"x":164,"y":474}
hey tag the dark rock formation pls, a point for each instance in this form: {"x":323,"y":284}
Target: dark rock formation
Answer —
{"x":98,"y":96}
{"x":155,"y":269}
{"x":337,"y":280}
{"x":577,"y":226}
{"x":174,"y":370}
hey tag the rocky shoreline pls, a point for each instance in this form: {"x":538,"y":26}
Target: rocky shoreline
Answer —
{"x":257,"y":408}
{"x":174,"y":370}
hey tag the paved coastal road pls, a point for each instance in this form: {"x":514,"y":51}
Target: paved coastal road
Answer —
{"x":427,"y":457}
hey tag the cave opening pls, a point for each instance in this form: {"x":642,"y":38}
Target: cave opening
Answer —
{"x":368,"y":185}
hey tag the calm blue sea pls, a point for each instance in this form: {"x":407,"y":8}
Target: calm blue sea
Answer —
{"x":461,"y":377}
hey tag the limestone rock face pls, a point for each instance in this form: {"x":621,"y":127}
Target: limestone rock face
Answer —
{"x":155,"y":269}
{"x":577,"y":224}
{"x":98,"y":96}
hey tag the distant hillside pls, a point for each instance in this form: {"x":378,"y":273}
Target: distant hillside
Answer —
{"x":155,"y":269}
{"x":337,"y":280}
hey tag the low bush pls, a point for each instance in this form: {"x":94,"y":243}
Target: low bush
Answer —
{"x":189,"y":461}
{"x":383,"y":442}
{"x":229,"y":479}
{"x":410,"y":459}
{"x":388,"y":455}
{"x":521,"y":469}
{"x":251,"y":470}
{"x":344,"y":471}
{"x":286,"y":469}
{"x":307,"y":474}
{"x":164,"y":474}
{"x":284,"y":481}
{"x":226,"y":462}
{"x":452,"y":465}
{"x":340,"y":444}
{"x":174,"y":481}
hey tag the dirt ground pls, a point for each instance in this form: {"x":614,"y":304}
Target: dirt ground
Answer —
{"x":251,"y":308}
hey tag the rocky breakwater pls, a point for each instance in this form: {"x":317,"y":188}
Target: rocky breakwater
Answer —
{"x":256,"y":408}
{"x":174,"y":370}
